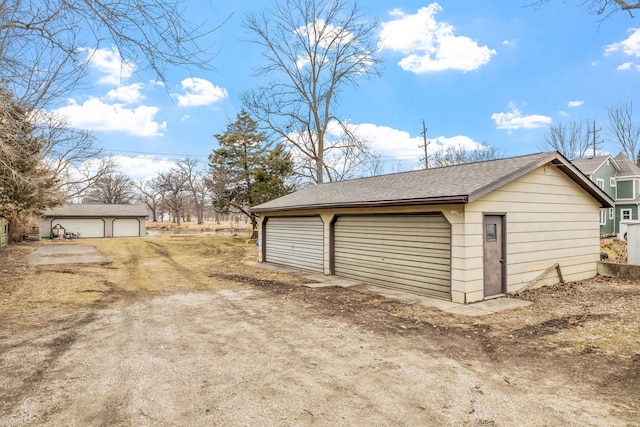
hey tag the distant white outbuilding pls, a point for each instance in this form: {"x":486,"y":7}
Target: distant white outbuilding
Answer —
{"x":462,"y":233}
{"x":94,"y":220}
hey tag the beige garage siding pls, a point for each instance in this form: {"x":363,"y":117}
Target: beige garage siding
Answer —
{"x":295,"y":242}
{"x":407,"y":252}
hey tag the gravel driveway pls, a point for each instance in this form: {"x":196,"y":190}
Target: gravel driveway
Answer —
{"x":231,"y":354}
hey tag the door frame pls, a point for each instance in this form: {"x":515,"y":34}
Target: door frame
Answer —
{"x":503,"y":249}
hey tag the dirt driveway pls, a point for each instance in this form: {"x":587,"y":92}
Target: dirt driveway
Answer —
{"x":175,"y":330}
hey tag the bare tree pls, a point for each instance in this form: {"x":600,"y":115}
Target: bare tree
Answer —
{"x":194,"y":178}
{"x":313,"y":49}
{"x":115,"y":188}
{"x":44,"y":44}
{"x":625,"y":130}
{"x":571,"y":140}
{"x":456,"y":155}
{"x":603,"y":8}
{"x":149,"y":196}
{"x":172,"y":187}
{"x":70,"y":155}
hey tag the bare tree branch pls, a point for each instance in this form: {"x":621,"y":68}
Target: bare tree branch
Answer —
{"x":571,"y":140}
{"x":604,"y":8}
{"x":312,"y":48}
{"x":625,"y":130}
{"x":43,"y":43}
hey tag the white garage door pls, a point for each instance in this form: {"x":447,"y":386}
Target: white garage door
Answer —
{"x":407,"y":252}
{"x":126,"y":227}
{"x":295,"y":242}
{"x":87,"y":227}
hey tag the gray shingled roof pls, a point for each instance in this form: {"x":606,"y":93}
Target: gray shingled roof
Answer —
{"x":627,"y":167}
{"x":97,"y":210}
{"x":589,"y":165}
{"x":452,"y":184}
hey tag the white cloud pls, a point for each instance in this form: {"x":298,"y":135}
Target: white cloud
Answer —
{"x":326,"y":35}
{"x":574,"y":104}
{"x":563,"y":113}
{"x":400,"y":145}
{"x":142,"y":167}
{"x":629,"y":46}
{"x":128,"y":94}
{"x":96,"y":115}
{"x":200,"y":92}
{"x":514,"y":119}
{"x":390,"y":142}
{"x":458,"y":141}
{"x":429,"y":45}
{"x":628,"y":66}
{"x":110,"y":63}
{"x":510,"y":43}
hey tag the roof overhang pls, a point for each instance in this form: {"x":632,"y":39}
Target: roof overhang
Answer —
{"x":557,"y":160}
{"x":449,"y":200}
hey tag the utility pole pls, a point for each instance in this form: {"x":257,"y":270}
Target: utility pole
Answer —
{"x":424,"y":145}
{"x":595,"y":137}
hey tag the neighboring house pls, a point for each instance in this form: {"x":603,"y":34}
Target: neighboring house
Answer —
{"x":463,"y":233}
{"x":619,"y":177}
{"x":99,"y":220}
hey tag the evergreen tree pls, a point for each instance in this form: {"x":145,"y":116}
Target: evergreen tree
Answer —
{"x":26,"y":183}
{"x":245,"y":170}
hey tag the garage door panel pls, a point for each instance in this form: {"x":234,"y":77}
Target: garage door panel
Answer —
{"x":126,"y":227}
{"x":404,"y":282}
{"x":406,"y":241}
{"x":86,"y":227}
{"x":408,"y":252}
{"x":381,"y":249}
{"x":436,"y":270}
{"x":295,"y":241}
{"x":413,"y":261}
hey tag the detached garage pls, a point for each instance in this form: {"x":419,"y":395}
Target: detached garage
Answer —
{"x":463,"y":233}
{"x":99,"y":220}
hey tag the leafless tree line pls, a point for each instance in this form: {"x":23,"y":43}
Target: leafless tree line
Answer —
{"x":179,"y":194}
{"x":577,"y":139}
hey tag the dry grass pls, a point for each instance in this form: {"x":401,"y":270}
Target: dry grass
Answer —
{"x":208,"y":225}
{"x":616,"y":249}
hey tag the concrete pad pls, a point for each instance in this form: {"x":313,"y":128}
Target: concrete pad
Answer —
{"x":491,"y":306}
{"x":65,"y":254}
{"x":318,"y":280}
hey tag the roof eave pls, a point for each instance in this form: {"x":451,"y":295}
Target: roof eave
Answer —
{"x":563,"y":164}
{"x":581,"y":179}
{"x":452,"y":200}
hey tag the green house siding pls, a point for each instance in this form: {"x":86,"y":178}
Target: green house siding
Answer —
{"x":619,"y":209}
{"x":624,"y":190}
{"x":605,"y":173}
{"x":609,"y":227}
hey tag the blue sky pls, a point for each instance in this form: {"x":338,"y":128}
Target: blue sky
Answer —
{"x":477,"y":72}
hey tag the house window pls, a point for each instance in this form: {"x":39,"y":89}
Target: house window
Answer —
{"x":612,"y":182}
{"x":625,"y":214}
{"x":603,"y":216}
{"x":612,"y":213}
{"x":600,"y":183}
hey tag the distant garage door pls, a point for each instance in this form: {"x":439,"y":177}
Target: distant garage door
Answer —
{"x":126,"y":227}
{"x":87,"y":227}
{"x":406,"y":252}
{"x":295,"y":242}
